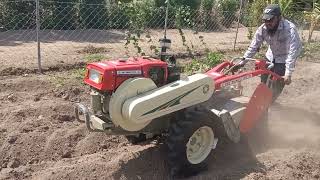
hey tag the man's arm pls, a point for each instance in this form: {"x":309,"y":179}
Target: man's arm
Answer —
{"x":294,"y":51}
{"x":255,"y":44}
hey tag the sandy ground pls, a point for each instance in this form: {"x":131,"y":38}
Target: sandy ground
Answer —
{"x":40,"y":138}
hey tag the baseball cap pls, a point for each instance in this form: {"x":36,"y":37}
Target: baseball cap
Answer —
{"x":270,"y":11}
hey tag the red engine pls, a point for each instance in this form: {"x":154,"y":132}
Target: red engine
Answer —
{"x":108,"y":75}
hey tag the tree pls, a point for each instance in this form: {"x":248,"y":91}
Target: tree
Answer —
{"x":313,"y":18}
{"x":65,"y":14}
{"x":18,"y":15}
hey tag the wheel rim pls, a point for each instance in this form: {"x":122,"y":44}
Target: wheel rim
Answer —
{"x":200,"y":145}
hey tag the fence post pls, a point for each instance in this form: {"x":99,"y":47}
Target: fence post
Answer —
{"x":235,"y":40}
{"x":38,"y":30}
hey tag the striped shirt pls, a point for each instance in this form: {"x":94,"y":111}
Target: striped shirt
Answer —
{"x":283,"y":47}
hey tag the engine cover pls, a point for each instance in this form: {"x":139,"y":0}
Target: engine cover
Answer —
{"x":128,"y":89}
{"x":138,"y":111}
{"x":114,"y":72}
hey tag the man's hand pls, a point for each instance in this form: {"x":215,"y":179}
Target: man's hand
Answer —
{"x":236,"y":67}
{"x":287,"y":80}
{"x":239,"y":65}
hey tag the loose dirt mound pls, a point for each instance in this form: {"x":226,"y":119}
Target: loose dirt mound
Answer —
{"x":40,"y":138}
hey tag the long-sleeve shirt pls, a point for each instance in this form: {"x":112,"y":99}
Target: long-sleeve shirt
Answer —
{"x":284,"y":46}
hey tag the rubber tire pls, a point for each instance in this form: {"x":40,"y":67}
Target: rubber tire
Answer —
{"x":181,"y":129}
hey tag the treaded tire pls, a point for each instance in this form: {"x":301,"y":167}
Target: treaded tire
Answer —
{"x":181,"y":129}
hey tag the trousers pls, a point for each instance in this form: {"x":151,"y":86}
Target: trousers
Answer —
{"x":278,"y":85}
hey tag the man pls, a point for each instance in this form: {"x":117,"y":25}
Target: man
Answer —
{"x":284,"y":45}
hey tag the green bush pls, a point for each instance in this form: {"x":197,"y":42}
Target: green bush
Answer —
{"x":118,"y":17}
{"x":192,"y":4}
{"x":93,"y":14}
{"x":15,"y":16}
{"x":229,"y":9}
{"x":309,"y":49}
{"x":202,"y":65}
{"x":184,"y":17}
{"x":206,"y":18}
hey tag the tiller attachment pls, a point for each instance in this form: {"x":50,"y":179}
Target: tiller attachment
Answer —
{"x":258,"y":104}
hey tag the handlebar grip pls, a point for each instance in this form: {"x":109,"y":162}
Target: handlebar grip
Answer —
{"x":270,"y":65}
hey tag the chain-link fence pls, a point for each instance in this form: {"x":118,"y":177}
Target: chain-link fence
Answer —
{"x":74,"y":32}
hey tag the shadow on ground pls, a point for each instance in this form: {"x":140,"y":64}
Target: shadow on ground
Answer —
{"x":234,"y":161}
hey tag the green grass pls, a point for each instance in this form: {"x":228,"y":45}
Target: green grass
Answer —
{"x":73,"y":77}
{"x":94,"y":58}
{"x":310,"y":49}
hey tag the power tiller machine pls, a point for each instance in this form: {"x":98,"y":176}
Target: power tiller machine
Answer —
{"x":144,"y":97}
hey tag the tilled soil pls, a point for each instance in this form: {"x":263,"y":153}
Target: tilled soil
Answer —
{"x":40,"y":138}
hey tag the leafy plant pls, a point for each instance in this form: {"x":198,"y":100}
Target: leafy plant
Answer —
{"x":78,"y":74}
{"x":192,"y":4}
{"x":94,"y":58}
{"x":182,"y":20}
{"x":208,"y":4}
{"x":138,"y":14}
{"x":58,"y":81}
{"x":15,"y":16}
{"x":255,"y":11}
{"x":90,"y":49}
{"x":313,"y":18}
{"x":207,"y":18}
{"x":229,"y":9}
{"x":204,"y":44}
{"x":93,"y":9}
{"x":134,"y":39}
{"x":202,"y":65}
{"x":73,"y":77}
{"x":310,"y":49}
{"x":184,"y":17}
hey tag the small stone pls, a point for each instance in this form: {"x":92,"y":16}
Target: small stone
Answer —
{"x":316,"y":175}
{"x":45,"y":128}
{"x":37,"y":98}
{"x":65,"y":96}
{"x":76,"y":91}
{"x":12,"y":139}
{"x":66,"y":155}
{"x":14,"y":163}
{"x":34,"y":161}
{"x":12,"y":98}
{"x":104,"y":146}
{"x":64,"y":117}
{"x":290,"y":166}
{"x":4,"y":165}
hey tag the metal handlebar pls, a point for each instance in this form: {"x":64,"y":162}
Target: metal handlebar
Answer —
{"x":270,"y":64}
